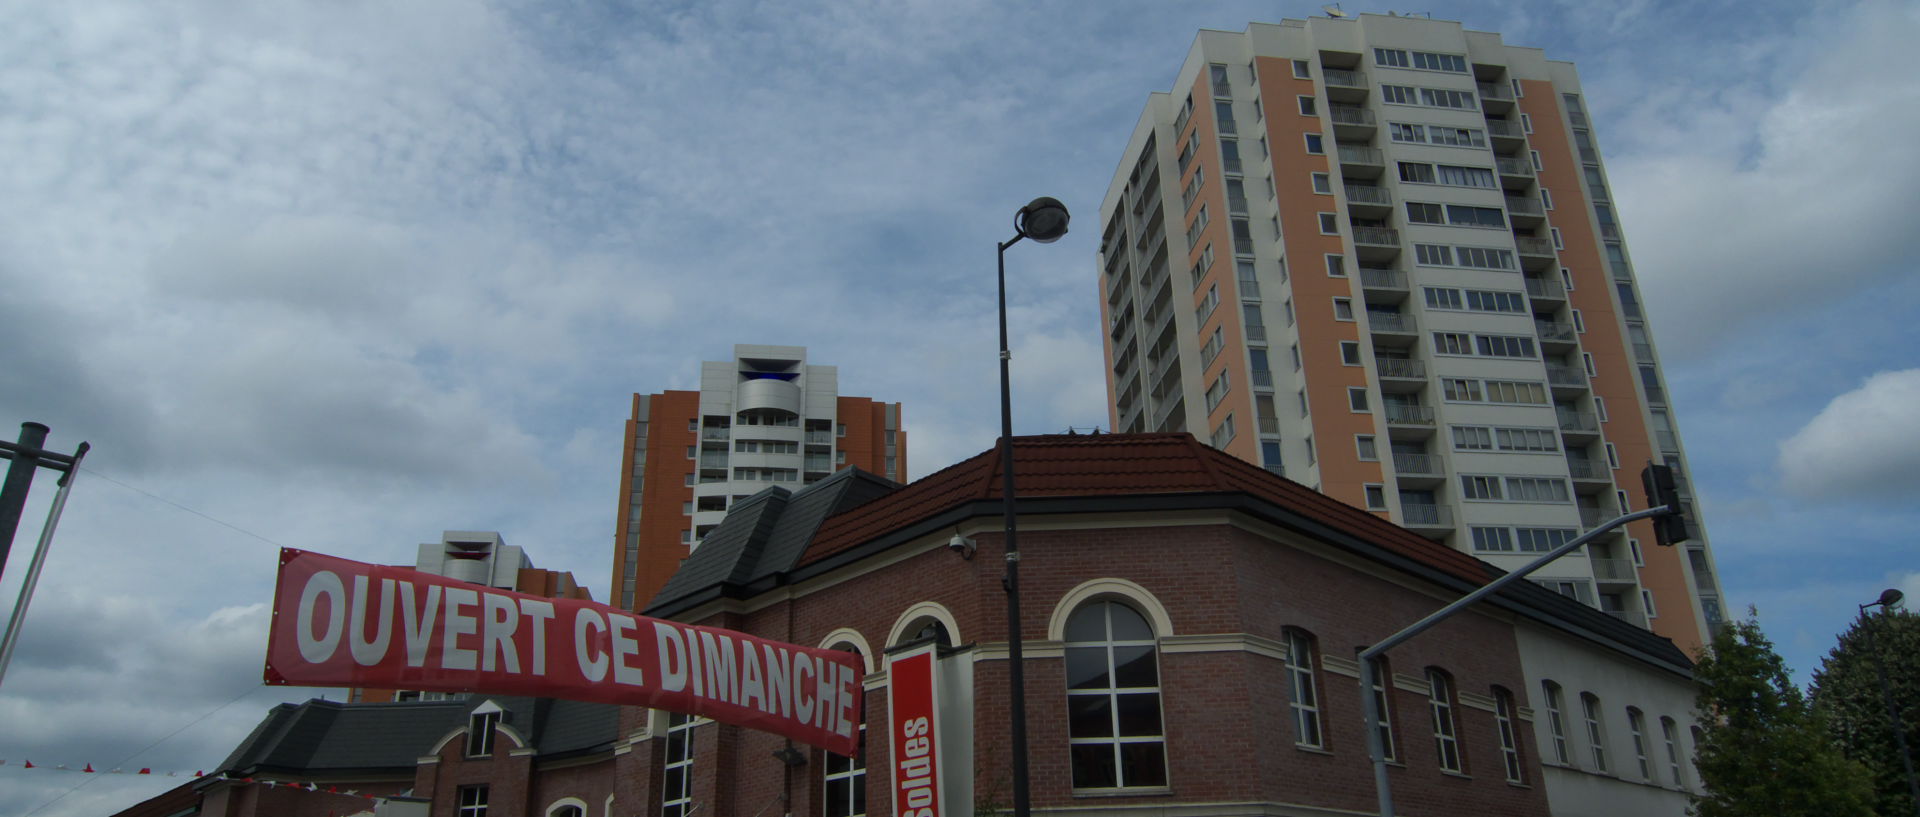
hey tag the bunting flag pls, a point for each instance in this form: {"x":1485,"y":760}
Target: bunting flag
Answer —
{"x":309,"y":787}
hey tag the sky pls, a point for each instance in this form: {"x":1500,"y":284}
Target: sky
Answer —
{"x":342,"y":276}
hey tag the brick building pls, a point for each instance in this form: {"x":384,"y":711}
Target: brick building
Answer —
{"x":1190,"y":627}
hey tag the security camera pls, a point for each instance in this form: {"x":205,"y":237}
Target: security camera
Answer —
{"x":961,"y":545}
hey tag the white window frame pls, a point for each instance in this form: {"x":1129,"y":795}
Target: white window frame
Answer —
{"x":1108,"y":645}
{"x":472,"y":801}
{"x":678,"y":804}
{"x":1446,"y":726}
{"x":1303,"y":691}
{"x":1509,"y":739}
{"x":1556,"y":721}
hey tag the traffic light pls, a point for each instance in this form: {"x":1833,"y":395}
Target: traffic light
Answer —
{"x":1670,"y":528}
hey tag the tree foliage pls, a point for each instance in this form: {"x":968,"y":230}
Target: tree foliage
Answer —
{"x":1763,"y":749}
{"x":1846,"y":694}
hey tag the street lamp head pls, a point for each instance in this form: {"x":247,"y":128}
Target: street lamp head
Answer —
{"x":1044,"y":220}
{"x":1890,"y":597}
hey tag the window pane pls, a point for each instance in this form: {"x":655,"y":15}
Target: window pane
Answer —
{"x":1134,"y":667}
{"x":839,"y":792}
{"x":1086,"y":668}
{"x":1087,"y":624}
{"x":1089,"y":716}
{"x":1128,"y":625}
{"x":1094,"y":766}
{"x":1139,"y":714}
{"x":1144,"y":764}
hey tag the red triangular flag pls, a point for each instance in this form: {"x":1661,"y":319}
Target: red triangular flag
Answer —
{"x":144,"y":770}
{"x":333,"y":789}
{"x":29,"y":764}
{"x":198,"y":773}
{"x":88,"y":769}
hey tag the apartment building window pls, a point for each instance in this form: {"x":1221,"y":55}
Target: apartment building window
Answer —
{"x":1314,"y":144}
{"x":1516,"y":392}
{"x":1400,"y":94}
{"x":1558,"y":242}
{"x":1223,"y":113}
{"x":1301,"y":71}
{"x":1503,"y":346}
{"x":1259,"y":112}
{"x":676,"y":786}
{"x":1207,"y":304}
{"x":1322,"y":183}
{"x":1596,"y":736}
{"x":1542,"y":540}
{"x":1538,"y":489}
{"x":480,"y":726}
{"x":1294,"y":350}
{"x":1186,"y":156}
{"x":1579,"y":322}
{"x":1271,"y":192}
{"x":1527,"y":439}
{"x":1456,"y":137}
{"x":1242,"y":236}
{"x":1376,"y":496}
{"x":1526,"y":123}
{"x":1311,"y":457}
{"x":1546,"y":198}
{"x":1303,"y":402}
{"x":1230,"y":155}
{"x":1432,"y":255}
{"x":1480,"y":487}
{"x":1440,"y":62}
{"x":1491,"y":539}
{"x":1245,"y":278}
{"x":1646,"y":603}
{"x":1303,"y":690}
{"x":1329,"y":224}
{"x":1365,"y":448}
{"x":1357,"y":399}
{"x":1224,"y":433}
{"x":1390,"y":58}
{"x":1452,"y":343}
{"x":1218,"y":73}
{"x":1534,"y":156}
{"x":1461,"y":215}
{"x":1199,"y":224}
{"x":1461,"y":390}
{"x":1350,"y":353}
{"x":1480,"y":300}
{"x":1509,"y":739}
{"x":1253,"y":324}
{"x":1192,"y":190}
{"x":1446,"y":730}
{"x":1214,"y":344}
{"x":1307,"y":106}
{"x":473,"y":801}
{"x":1217,"y":391}
{"x":1287,"y":306}
{"x":1472,"y":438}
{"x":1586,"y":362}
{"x":1343,"y":309}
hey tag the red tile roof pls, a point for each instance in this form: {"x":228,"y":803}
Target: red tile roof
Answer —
{"x":1103,"y":465}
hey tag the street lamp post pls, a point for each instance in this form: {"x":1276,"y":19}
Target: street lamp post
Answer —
{"x":1887,"y":599}
{"x":1044,"y":220}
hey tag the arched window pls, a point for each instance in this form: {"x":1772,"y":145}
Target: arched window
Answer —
{"x":568,"y":808}
{"x":676,"y":788}
{"x":1509,"y":738}
{"x":1446,"y":727}
{"x":1303,"y":689}
{"x":1637,"y":726}
{"x":1596,"y":735}
{"x":845,"y":778}
{"x":1556,"y":721}
{"x":1670,"y":732}
{"x":926,"y":627}
{"x":1113,"y":699}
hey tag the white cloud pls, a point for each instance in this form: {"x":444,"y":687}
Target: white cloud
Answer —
{"x":1743,"y":202}
{"x":1864,"y":444}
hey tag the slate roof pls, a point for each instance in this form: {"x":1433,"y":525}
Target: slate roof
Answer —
{"x":321,"y":736}
{"x":763,"y":537}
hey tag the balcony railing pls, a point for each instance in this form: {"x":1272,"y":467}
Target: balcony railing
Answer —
{"x":1529,"y":245}
{"x":1384,"y":236}
{"x":1524,"y":206}
{"x":1577,"y":421}
{"x":1578,"y":119}
{"x":1349,"y":115}
{"x":708,"y":433}
{"x":1655,"y":394}
{"x":1405,"y":369}
{"x":1591,"y":518}
{"x":1545,"y":288}
{"x":819,"y":464}
{"x":1262,"y":378}
{"x":1589,"y":156}
{"x":1614,"y":570}
{"x":1361,"y":155}
{"x":1426,"y":514}
{"x":714,"y":462}
{"x":819,"y":437}
{"x":1368,"y":194}
{"x":1666,"y":440}
{"x":1416,"y":463}
{"x":1643,"y":352}
{"x":1389,"y":322}
{"x":1410,"y":415}
{"x":1610,"y":232}
{"x":1336,"y":77}
{"x":1371,"y":278}
{"x":1256,"y":331}
{"x":1494,"y":90}
{"x":1566,"y":376}
{"x":1504,"y":129}
{"x":1588,"y":469}
{"x":1554,"y":331}
{"x":1513,"y":166}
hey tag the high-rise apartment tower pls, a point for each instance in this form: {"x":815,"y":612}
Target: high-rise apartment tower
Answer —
{"x":764,"y":418}
{"x":1379,"y":255}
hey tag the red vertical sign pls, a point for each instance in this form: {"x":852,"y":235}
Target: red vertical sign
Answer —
{"x":915,"y":723}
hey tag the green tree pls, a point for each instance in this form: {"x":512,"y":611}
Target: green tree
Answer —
{"x":1763,"y":750}
{"x":1846,"y":694}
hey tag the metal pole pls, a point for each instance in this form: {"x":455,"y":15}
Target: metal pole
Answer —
{"x":1016,"y":674}
{"x":13,"y":492}
{"x":1382,"y":790}
{"x":15,"y":621}
{"x":1893,"y":712}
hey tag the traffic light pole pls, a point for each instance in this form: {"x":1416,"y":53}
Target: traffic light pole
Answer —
{"x":1376,"y":749}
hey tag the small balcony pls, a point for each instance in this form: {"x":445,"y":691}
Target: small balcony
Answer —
{"x":1556,"y":337}
{"x":1392,"y":329}
{"x":1409,"y":415}
{"x":1667,"y":441}
{"x":1589,"y":476}
{"x":1643,"y":352}
{"x":1535,"y":253}
{"x":1507,"y":137}
{"x":1546,"y":293}
{"x":1632,"y":617}
{"x":1369,"y":201}
{"x":1578,"y":427}
{"x":1515,"y":173}
{"x":1567,"y":382}
{"x":1401,"y":376}
{"x":1610,"y":232}
{"x":1614,"y":571}
{"x":1418,"y":470}
{"x":1427,"y":519}
{"x":1361,"y":162}
{"x":1383,"y":286}
{"x":1655,"y":393}
{"x":819,"y":438}
{"x":715,"y":433}
{"x":1376,"y":244}
{"x":1524,"y":212}
{"x":1343,"y":85}
{"x":1349,"y":122}
{"x":1495,"y":97}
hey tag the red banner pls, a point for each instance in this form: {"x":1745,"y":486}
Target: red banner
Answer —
{"x":343,"y":623}
{"x":913,"y":702}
